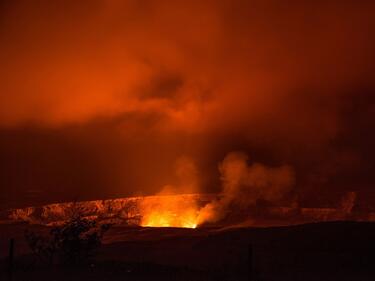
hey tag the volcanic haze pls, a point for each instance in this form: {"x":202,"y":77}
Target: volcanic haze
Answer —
{"x":104,"y":99}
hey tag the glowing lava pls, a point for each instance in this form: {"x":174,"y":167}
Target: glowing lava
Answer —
{"x":169,"y":211}
{"x":162,"y":219}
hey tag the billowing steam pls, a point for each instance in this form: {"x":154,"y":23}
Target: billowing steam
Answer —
{"x":244,"y":184}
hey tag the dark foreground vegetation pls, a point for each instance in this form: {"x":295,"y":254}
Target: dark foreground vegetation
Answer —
{"x":322,"y":251}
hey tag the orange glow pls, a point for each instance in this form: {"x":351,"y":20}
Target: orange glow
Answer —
{"x":169,"y":211}
{"x":100,"y":99}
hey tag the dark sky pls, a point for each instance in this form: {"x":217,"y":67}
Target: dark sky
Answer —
{"x":102,"y":99}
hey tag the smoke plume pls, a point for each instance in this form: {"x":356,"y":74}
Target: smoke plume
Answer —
{"x":243,"y":184}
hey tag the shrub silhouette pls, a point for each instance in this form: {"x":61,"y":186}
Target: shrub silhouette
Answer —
{"x":72,"y":243}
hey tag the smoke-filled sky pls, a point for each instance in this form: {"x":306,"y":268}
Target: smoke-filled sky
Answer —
{"x":113,"y":98}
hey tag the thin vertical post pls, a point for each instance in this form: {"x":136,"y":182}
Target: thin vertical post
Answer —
{"x":250,"y":263}
{"x":11,"y":258}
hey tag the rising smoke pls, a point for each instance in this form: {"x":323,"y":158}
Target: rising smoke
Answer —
{"x":243,"y":184}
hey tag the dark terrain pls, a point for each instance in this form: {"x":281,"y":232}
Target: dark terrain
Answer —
{"x":320,"y":251}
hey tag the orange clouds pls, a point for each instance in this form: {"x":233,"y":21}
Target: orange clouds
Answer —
{"x":196,"y":78}
{"x":72,"y":62}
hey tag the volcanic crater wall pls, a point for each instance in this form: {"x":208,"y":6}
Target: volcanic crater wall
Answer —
{"x":121,"y":210}
{"x":131,"y":211}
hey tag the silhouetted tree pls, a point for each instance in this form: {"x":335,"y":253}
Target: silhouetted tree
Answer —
{"x":72,"y":243}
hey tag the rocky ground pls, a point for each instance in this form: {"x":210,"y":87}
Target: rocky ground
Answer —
{"x":321,"y":251}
